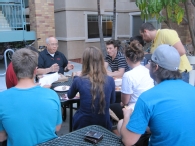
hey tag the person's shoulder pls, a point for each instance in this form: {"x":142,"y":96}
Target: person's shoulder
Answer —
{"x":42,"y":89}
{"x":60,"y":53}
{"x":149,"y":94}
{"x":107,"y":57}
{"x":128,"y":73}
{"x":167,"y":31}
{"x":109,"y":77}
{"x":120,"y":54}
{"x":109,"y":80}
{"x":77,"y":78}
{"x":43,"y":52}
{"x":143,"y":68}
{"x":6,"y":93}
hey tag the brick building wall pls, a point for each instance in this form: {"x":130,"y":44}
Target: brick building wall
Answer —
{"x":41,"y":13}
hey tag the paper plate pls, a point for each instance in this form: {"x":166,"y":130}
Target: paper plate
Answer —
{"x":62,"y":88}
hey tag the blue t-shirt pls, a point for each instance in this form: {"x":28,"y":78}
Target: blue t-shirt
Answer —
{"x":85,"y":115}
{"x":45,"y":60}
{"x":168,"y":110}
{"x":29,"y":116}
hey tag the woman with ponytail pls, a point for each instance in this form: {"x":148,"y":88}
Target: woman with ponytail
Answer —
{"x":96,"y":89}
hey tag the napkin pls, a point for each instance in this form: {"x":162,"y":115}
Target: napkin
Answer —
{"x":48,"y":79}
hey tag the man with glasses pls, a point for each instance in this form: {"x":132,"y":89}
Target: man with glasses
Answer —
{"x":51,"y":60}
{"x":167,"y":109}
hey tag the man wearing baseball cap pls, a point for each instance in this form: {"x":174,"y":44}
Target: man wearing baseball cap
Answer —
{"x":167,"y":109}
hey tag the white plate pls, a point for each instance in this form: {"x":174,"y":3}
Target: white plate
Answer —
{"x":62,"y":88}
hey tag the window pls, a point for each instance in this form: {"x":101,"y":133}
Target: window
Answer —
{"x":154,"y":23}
{"x":93,"y":30}
{"x":136,"y":22}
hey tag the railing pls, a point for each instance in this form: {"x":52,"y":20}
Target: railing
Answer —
{"x":14,"y":16}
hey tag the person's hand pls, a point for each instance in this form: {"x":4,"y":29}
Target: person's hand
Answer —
{"x":54,"y":68}
{"x":70,"y":66}
{"x":122,"y":104}
{"x":127,"y":113}
{"x":78,"y":73}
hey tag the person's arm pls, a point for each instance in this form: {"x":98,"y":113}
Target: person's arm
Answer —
{"x":3,"y":136}
{"x":42,"y":68}
{"x":180,"y":48}
{"x":106,"y":65}
{"x":58,"y":127}
{"x":69,"y":67}
{"x":53,"y":68}
{"x":171,"y":37}
{"x":126,"y":88}
{"x":59,"y":113}
{"x":117,"y":74}
{"x":125,"y":98}
{"x":129,"y":138}
{"x":73,"y":89}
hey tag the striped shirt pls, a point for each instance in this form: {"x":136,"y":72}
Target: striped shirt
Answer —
{"x":118,"y":62}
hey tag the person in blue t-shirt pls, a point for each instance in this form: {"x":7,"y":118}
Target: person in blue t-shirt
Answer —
{"x":166,"y":110}
{"x":29,"y":114}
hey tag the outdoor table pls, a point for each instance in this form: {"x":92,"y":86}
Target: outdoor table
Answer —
{"x":77,"y":138}
{"x":66,"y":102}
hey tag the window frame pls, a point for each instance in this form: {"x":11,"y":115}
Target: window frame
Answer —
{"x":131,"y":21}
{"x":139,"y":14}
{"x":86,"y":26}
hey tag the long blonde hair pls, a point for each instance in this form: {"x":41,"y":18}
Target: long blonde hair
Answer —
{"x":93,"y":68}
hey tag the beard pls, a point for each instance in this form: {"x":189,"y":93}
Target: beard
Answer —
{"x":152,"y":74}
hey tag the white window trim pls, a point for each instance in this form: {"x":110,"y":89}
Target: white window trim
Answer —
{"x":86,"y":26}
{"x":131,"y":21}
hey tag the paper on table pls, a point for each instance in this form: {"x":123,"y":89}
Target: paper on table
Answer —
{"x":48,"y":79}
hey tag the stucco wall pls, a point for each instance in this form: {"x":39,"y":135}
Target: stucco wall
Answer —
{"x":74,"y":49}
{"x":71,"y":28}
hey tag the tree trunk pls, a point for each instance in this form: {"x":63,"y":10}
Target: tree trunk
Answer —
{"x":190,"y":24}
{"x":102,"y":43}
{"x":114,"y":20}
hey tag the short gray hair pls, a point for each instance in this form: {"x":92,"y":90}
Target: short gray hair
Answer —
{"x":47,"y":39}
{"x":24,"y":63}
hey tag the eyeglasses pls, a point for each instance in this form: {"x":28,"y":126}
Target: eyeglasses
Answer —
{"x":54,"y":44}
